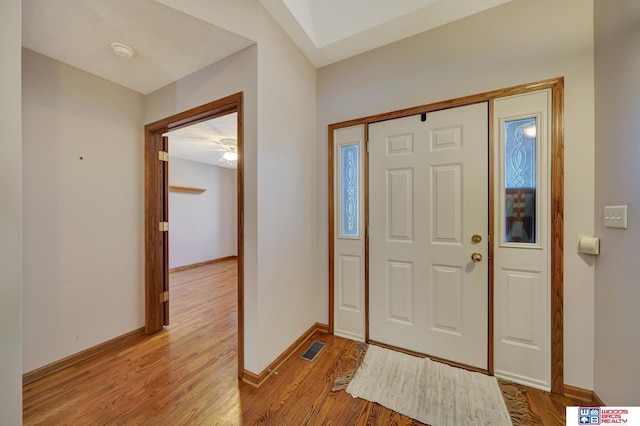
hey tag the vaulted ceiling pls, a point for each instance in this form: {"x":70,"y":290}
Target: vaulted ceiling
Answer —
{"x":331,"y":30}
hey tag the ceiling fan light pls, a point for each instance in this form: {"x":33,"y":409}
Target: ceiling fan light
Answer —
{"x":230,"y":156}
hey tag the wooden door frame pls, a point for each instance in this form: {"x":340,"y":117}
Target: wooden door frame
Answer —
{"x":155,"y":270}
{"x":556,"y":205}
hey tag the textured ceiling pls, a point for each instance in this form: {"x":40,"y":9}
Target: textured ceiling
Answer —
{"x":169,"y":44}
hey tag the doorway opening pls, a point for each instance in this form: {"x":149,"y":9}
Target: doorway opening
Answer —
{"x":202,"y":193}
{"x":156,"y":191}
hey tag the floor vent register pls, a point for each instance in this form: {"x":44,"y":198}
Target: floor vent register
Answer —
{"x":313,"y":351}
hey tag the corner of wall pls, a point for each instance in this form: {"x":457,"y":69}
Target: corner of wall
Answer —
{"x":11,"y":214}
{"x":617,"y":59}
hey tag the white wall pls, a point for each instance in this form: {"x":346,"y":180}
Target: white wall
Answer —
{"x":10,"y":214}
{"x":281,"y":173}
{"x":287,"y":222}
{"x":517,"y":43}
{"x":202,"y":226}
{"x":617,"y":61}
{"x":82,"y":215}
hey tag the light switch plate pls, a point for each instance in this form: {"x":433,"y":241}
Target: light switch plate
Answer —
{"x":615,"y":217}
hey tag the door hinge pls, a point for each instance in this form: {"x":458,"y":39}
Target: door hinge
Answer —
{"x":163,"y":226}
{"x":164,"y":296}
{"x":163,"y":156}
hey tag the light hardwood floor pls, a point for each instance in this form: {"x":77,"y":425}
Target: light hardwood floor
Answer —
{"x":186,"y":375}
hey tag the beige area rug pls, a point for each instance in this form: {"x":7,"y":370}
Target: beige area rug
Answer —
{"x":428,"y":391}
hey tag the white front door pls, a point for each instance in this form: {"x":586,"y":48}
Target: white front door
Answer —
{"x":428,"y":198}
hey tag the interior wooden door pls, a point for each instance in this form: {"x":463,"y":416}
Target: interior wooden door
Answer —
{"x":156,"y":247}
{"x":165,"y":232}
{"x":428,"y":234}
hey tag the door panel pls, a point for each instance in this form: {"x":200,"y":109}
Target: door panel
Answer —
{"x":446,"y":193}
{"x":446,"y":297}
{"x":428,"y":194}
{"x":522,"y":283}
{"x":349,"y":272}
{"x":400,"y":184}
{"x":348,"y":235}
{"x":400,"y":291}
{"x":155,"y":263}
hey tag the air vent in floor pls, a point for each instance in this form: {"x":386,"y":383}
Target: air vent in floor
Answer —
{"x":313,"y":351}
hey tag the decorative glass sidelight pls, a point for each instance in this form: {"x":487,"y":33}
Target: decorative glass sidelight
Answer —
{"x":349,"y":194}
{"x":520,"y":180}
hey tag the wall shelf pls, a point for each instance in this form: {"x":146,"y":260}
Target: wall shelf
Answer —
{"x":186,"y":189}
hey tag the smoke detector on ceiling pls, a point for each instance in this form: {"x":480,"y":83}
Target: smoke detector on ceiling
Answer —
{"x":122,"y":50}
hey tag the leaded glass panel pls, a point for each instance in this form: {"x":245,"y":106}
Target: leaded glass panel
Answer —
{"x":520,"y":165}
{"x":349,"y":194}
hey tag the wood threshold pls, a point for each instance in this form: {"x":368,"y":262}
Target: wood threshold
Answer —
{"x":206,"y":262}
{"x":256,"y":380}
{"x":186,"y":189}
{"x":74,"y":359}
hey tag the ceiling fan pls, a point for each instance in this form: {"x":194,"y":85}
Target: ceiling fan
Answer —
{"x":230,"y":148}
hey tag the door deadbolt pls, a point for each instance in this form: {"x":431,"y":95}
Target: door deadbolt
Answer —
{"x":476,"y":238}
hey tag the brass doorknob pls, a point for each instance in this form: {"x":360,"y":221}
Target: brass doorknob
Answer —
{"x":476,"y":257}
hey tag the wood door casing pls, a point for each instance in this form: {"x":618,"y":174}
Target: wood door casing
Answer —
{"x":155,"y":187}
{"x":557,"y":206}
